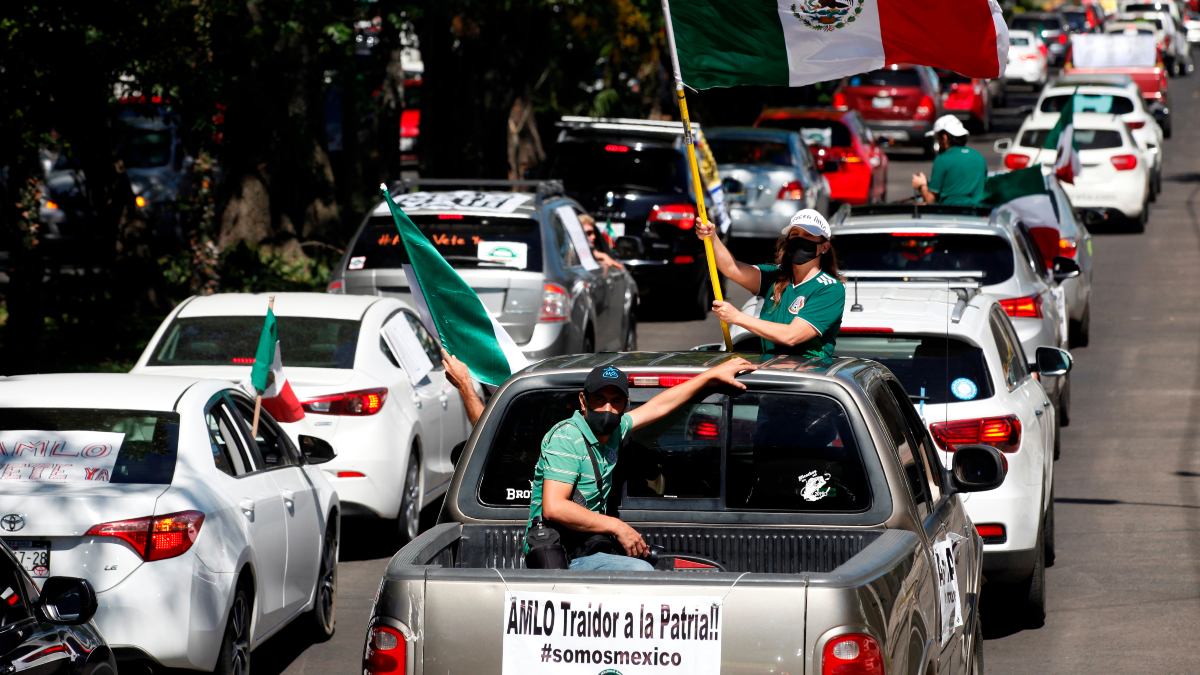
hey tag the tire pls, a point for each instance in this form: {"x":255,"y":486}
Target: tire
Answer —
{"x":631,"y":334}
{"x":1048,"y":550}
{"x":234,"y":657}
{"x":1153,"y":192}
{"x":323,"y":616}
{"x":1079,"y":331}
{"x":1033,"y":589}
{"x":1138,"y":225}
{"x":408,"y":520}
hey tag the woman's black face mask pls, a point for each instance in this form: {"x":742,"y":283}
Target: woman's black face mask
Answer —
{"x":800,"y":250}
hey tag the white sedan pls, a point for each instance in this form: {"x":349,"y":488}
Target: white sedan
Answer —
{"x":393,"y":437}
{"x":200,"y":543}
{"x":1115,"y":176}
{"x":1027,"y":58}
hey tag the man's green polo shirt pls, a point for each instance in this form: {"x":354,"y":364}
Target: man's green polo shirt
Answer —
{"x":565,"y":459}
{"x":819,"y":301}
{"x":958,"y":177}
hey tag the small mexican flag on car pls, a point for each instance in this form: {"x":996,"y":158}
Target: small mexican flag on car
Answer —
{"x":724,"y":43}
{"x":1025,"y":192}
{"x":267,"y":378}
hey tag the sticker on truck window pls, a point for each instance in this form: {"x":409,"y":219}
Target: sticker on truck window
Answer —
{"x":588,"y":634}
{"x":33,"y":456}
{"x":814,"y":486}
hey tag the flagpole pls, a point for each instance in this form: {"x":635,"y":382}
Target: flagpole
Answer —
{"x":258,"y":398}
{"x":697,"y":186}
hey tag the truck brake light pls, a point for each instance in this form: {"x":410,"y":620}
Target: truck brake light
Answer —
{"x":155,"y":537}
{"x":386,"y":652}
{"x":658,"y":379}
{"x":853,"y":654}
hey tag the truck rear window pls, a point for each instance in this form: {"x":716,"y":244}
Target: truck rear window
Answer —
{"x":927,"y":252}
{"x":465,"y":241}
{"x":754,"y":451}
{"x":932,"y":369}
{"x":741,"y":151}
{"x":585,"y":167}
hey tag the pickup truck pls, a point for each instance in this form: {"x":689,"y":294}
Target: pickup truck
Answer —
{"x":806,"y":526}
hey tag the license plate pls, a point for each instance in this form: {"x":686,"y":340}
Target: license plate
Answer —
{"x":34,"y":556}
{"x":881,"y":102}
{"x":618,"y":229}
{"x":893,"y":135}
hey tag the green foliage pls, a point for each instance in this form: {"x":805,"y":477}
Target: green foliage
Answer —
{"x":248,"y":270}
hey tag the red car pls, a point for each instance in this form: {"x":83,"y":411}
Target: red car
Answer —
{"x":837,"y":137}
{"x":968,"y":99}
{"x":899,"y":102}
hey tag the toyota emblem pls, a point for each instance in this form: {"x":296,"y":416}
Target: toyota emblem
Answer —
{"x":12,"y":522}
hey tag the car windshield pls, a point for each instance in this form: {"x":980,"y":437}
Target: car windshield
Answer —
{"x":902,"y":77}
{"x":145,"y":148}
{"x":1018,"y":41}
{"x":740,"y":151}
{"x":1144,"y":8}
{"x":815,"y":132}
{"x":930,"y":368}
{"x":1085,"y":139}
{"x":465,"y":241}
{"x":1076,"y":20}
{"x":78,"y":445}
{"x":584,"y":167}
{"x":304,"y":342}
{"x":761,"y":451}
{"x":927,"y":252}
{"x":1035,"y":24}
{"x":1097,"y":103}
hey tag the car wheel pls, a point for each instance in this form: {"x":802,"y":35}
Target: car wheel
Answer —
{"x":1166,"y":127}
{"x":234,"y":657}
{"x":1048,"y":529}
{"x":1152,"y":192}
{"x":631,"y":335}
{"x":1078,"y":331}
{"x":1138,"y":225}
{"x":324,"y":611}
{"x":409,"y":519}
{"x":1034,"y":588}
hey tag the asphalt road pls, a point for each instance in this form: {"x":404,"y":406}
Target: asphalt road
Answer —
{"x":1124,"y":595}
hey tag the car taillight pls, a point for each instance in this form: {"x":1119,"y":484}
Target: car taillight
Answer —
{"x":1024,"y":308}
{"x":386,"y":652}
{"x":1029,"y":57}
{"x":1062,"y":39}
{"x":1067,"y":246}
{"x":925,"y":107}
{"x":1135,"y":125}
{"x":845,"y":155}
{"x":155,"y":537}
{"x":1015,"y":160}
{"x":353,"y":403}
{"x":658,"y":379}
{"x":839,"y":101}
{"x":334,"y":286}
{"x":852,"y":655}
{"x":683,"y":259}
{"x":1002,"y":433}
{"x":992,"y":534}
{"x":1124,"y":162}
{"x":681,"y":215}
{"x":793,"y":191}
{"x":554,"y":304}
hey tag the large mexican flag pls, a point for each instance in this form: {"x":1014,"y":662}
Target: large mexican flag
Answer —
{"x":724,"y":43}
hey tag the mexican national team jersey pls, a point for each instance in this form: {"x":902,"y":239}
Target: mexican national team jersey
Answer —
{"x":819,"y":301}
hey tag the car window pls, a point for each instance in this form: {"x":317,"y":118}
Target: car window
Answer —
{"x":14,"y":602}
{"x":927,"y":252}
{"x":1012,"y":360}
{"x":894,"y":424}
{"x":924,"y":447}
{"x":1032,"y":252}
{"x":886,"y":77}
{"x":929,"y":367}
{"x":743,"y":151}
{"x":1085,"y":139}
{"x":1111,"y":104}
{"x":466,"y":241}
{"x":934,"y":80}
{"x":428,"y":343}
{"x":562,"y":243}
{"x":1020,"y":366}
{"x":305,"y":342}
{"x":815,"y":132}
{"x":1018,"y":41}
{"x":274,"y":447}
{"x":229,"y":454}
{"x":613,"y":163}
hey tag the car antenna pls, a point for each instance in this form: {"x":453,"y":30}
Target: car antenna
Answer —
{"x":856,"y":307}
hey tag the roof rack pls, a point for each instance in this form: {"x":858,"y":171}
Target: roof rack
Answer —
{"x":914,"y":210}
{"x":545,"y":188}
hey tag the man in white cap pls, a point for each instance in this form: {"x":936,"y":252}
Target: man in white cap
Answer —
{"x":803,"y":294}
{"x":958,"y":172}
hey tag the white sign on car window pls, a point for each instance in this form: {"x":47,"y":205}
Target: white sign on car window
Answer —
{"x":1113,"y":51}
{"x":820,"y":136}
{"x":949,"y":594}
{"x":462,"y":200}
{"x":406,"y":346}
{"x":578,"y":237}
{"x":513,"y":254}
{"x":568,"y":634}
{"x":34,"y":456}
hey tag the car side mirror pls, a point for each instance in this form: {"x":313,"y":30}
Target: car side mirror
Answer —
{"x":456,"y":452}
{"x":67,"y":601}
{"x":1002,"y":145}
{"x":1053,"y":361}
{"x":629,"y":247}
{"x":316,"y":450}
{"x":978,"y":468}
{"x":1065,"y":268}
{"x":830,"y":166}
{"x":732,"y":186}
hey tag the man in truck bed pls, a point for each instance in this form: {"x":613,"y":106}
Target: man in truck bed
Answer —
{"x":597,"y":429}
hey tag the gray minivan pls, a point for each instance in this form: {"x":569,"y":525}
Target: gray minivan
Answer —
{"x":510,"y":245}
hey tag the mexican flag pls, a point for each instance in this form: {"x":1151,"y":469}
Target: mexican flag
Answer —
{"x":451,"y":309}
{"x":267,"y":378}
{"x":1062,"y":138}
{"x":724,"y":43}
{"x":1025,"y":192}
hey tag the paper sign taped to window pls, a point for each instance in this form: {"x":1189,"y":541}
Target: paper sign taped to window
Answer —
{"x":406,"y":347}
{"x":513,"y":254}
{"x":1113,"y":51}
{"x":567,"y":634}
{"x":462,"y":200}
{"x":32,"y":456}
{"x":578,"y":237}
{"x":949,"y":591}
{"x":822,"y":136}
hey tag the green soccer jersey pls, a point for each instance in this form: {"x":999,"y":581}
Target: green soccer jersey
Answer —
{"x":565,"y":459}
{"x":818,"y":301}
{"x":958,"y":177}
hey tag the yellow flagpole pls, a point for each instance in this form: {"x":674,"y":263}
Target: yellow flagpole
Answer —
{"x":697,"y":184}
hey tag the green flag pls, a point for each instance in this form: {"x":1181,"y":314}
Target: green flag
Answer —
{"x":265,"y":356}
{"x":450,"y":307}
{"x":1005,"y":187}
{"x":1062,"y":138}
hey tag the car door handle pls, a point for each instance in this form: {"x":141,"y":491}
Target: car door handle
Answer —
{"x":1045,"y":404}
{"x":445,"y":400}
{"x":1039,"y":413}
{"x":417,"y":401}
{"x":289,"y":497}
{"x":247,"y":506}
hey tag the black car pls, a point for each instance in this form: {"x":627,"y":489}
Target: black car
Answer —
{"x":50,"y":631}
{"x":633,"y":177}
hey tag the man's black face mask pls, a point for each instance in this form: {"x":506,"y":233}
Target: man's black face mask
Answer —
{"x":801,"y":250}
{"x":602,"y":422}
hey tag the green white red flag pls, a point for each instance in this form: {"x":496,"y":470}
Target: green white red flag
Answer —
{"x":267,"y":378}
{"x":1061,"y":138}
